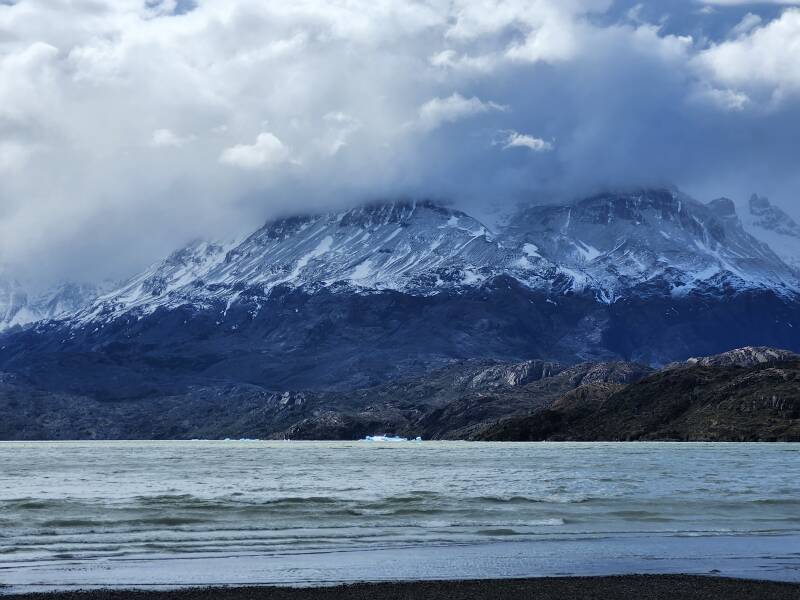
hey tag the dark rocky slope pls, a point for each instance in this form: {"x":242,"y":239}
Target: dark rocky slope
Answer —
{"x":748,"y":394}
{"x":714,"y":400}
{"x":453,"y":402}
{"x":338,"y":342}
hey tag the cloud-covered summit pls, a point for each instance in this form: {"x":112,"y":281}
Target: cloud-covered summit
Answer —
{"x":127,"y":127}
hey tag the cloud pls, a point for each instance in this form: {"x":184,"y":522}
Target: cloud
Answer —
{"x":187,"y":119}
{"x":334,"y":138}
{"x":514,"y":139}
{"x":455,"y":107}
{"x":267,"y":151}
{"x":165,"y":138}
{"x":723,"y":98}
{"x":748,"y":22}
{"x":765,"y":59}
{"x":450,"y":59}
{"x":13,"y":156}
{"x":750,"y":2}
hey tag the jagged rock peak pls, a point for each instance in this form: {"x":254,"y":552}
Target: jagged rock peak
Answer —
{"x":773,"y":226}
{"x":759,"y":203}
{"x":628,"y":206}
{"x":772,"y":218}
{"x":664,"y":203}
{"x":399,"y":212}
{"x":723,"y":207}
{"x":369,"y":216}
{"x":651,"y":206}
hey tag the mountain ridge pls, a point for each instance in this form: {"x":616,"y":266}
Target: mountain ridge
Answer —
{"x":422,"y":248}
{"x":340,"y":301}
{"x":608,"y":245}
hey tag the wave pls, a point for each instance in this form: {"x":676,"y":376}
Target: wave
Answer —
{"x":548,"y":499}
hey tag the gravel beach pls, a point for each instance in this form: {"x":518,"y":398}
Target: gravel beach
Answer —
{"x":631,"y":587}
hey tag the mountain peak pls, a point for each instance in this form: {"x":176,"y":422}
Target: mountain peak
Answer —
{"x":20,"y":307}
{"x":400,"y":212}
{"x":661,"y":237}
{"x":774,"y":227}
{"x":772,"y":218}
{"x":723,"y":207}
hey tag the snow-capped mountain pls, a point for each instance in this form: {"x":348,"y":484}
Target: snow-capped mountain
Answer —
{"x":607,"y":246}
{"x":349,"y":299}
{"x":772,"y":225}
{"x":66,"y":299}
{"x":419,"y":248}
{"x":613,"y":243}
{"x":19,"y":307}
{"x":14,"y":308}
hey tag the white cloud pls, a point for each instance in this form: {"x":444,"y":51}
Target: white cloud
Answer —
{"x":749,"y":21}
{"x":766,"y":60}
{"x":165,"y":138}
{"x":514,"y":139}
{"x":29,"y":83}
{"x":450,"y":59}
{"x":528,"y":31}
{"x":339,"y":128}
{"x":14,"y":156}
{"x":267,"y":151}
{"x":729,"y":100}
{"x":453,"y":108}
{"x":558,"y":39}
{"x":635,"y":13}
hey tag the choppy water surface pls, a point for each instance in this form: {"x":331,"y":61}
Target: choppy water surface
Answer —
{"x":104,"y":501}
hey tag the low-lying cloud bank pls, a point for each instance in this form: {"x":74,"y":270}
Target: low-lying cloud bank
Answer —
{"x":127,"y":127}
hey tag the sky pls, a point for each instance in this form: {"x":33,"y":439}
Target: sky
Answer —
{"x":129,"y":127}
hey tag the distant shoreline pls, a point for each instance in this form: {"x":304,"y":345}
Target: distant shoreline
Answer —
{"x":398,"y":444}
{"x":633,"y":587}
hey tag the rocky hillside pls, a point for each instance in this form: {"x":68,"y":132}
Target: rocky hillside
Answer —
{"x":714,"y":399}
{"x":740,"y":357}
{"x":450,"y":403}
{"x":745,"y":395}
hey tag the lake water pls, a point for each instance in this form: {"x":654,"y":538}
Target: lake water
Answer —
{"x":151,"y":514}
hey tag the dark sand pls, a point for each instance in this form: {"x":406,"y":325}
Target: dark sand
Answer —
{"x":631,"y":587}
